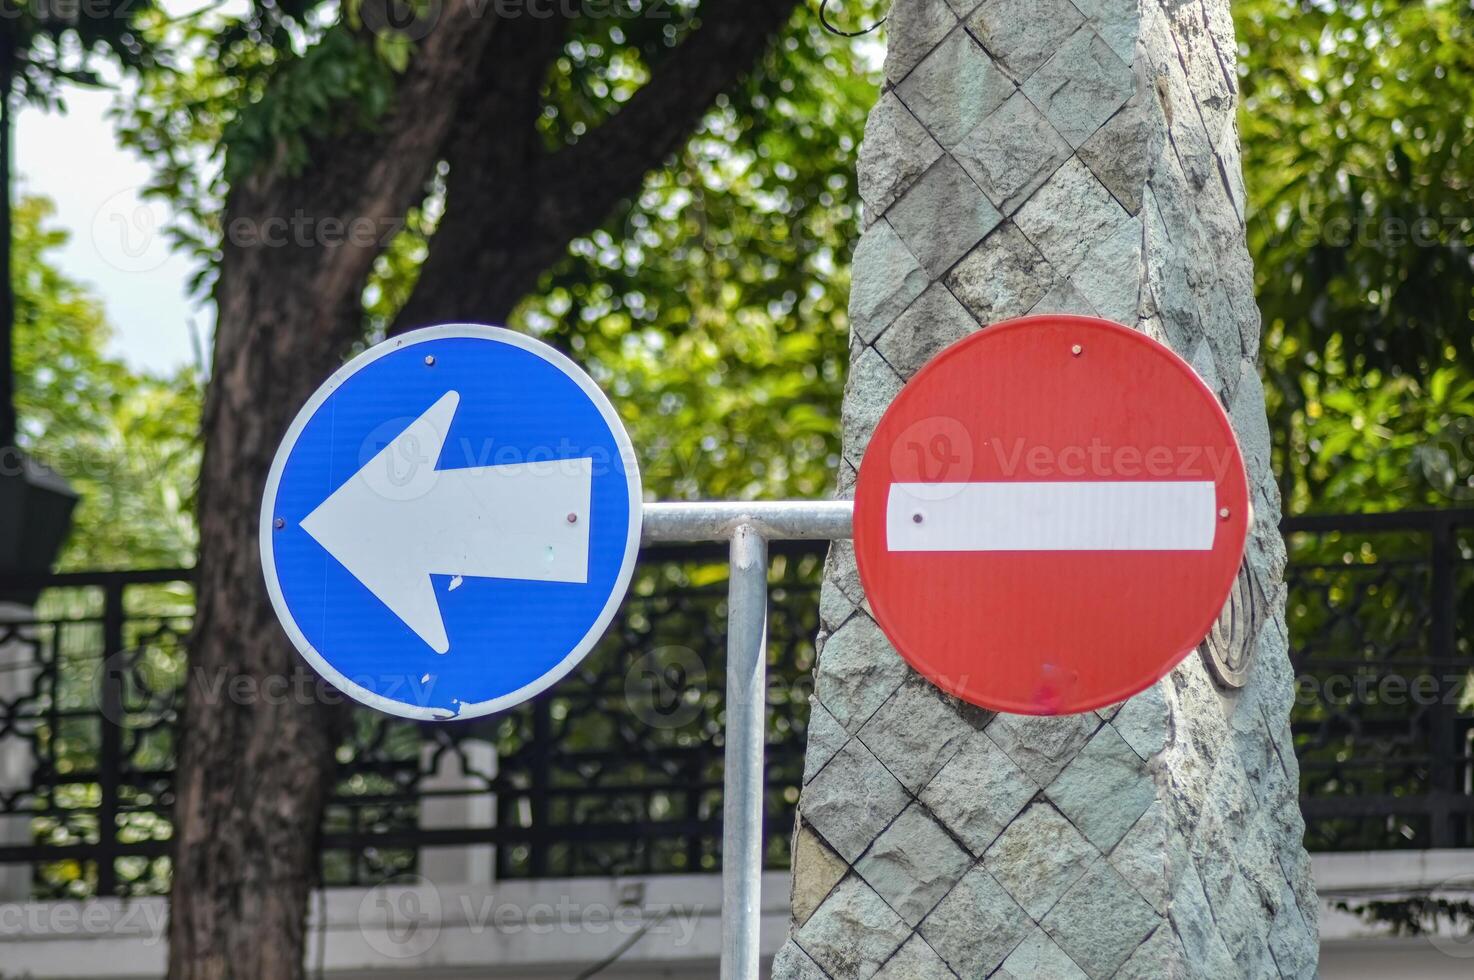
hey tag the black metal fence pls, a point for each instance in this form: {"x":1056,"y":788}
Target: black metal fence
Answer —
{"x":618,"y":768}
{"x":1381,"y":614}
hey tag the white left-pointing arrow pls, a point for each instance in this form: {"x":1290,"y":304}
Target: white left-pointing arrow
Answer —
{"x":399,"y":520}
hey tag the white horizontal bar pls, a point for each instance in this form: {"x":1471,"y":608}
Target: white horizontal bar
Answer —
{"x":1086,"y":516}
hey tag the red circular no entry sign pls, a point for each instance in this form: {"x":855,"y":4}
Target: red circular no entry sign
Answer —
{"x":1050,"y":515}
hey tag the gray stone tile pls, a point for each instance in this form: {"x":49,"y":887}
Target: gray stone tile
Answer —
{"x":834,"y":607}
{"x":955,"y":87}
{"x":1112,"y":273}
{"x":852,"y":800}
{"x":1291,"y":941}
{"x":896,"y":150}
{"x":1160,"y":957}
{"x":1221,"y":829}
{"x":1193,"y":921}
{"x":1241,"y":921}
{"x":840,"y":569}
{"x":1023,"y":34}
{"x":942,"y":216}
{"x":792,"y":963}
{"x":816,"y":870}
{"x":1011,"y":152}
{"x":933,"y":322}
{"x":913,"y":29}
{"x":858,"y":670}
{"x":1038,"y":956}
{"x":915,"y":960}
{"x":1142,"y":856}
{"x":1104,"y":790}
{"x":978,"y":792}
{"x":1065,"y":298}
{"x":886,"y":278}
{"x":1121,"y":152}
{"x":1101,"y":920}
{"x":913,"y":864}
{"x":1142,"y":722}
{"x":1117,"y":21}
{"x":917,"y":731}
{"x":869,"y":391}
{"x":826,"y":737}
{"x":1042,"y":746}
{"x":976,"y":926}
{"x":1002,"y":278}
{"x":853,"y":932}
{"x":1070,"y":215}
{"x":1038,"y":858}
{"x":1081,"y":86}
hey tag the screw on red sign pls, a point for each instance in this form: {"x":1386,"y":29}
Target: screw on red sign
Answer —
{"x":1050,"y":515}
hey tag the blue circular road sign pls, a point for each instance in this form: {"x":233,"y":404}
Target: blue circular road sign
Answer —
{"x":451,"y":522}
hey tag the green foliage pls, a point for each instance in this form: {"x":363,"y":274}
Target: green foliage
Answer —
{"x":713,"y":304}
{"x":1358,"y":129}
{"x":126,"y":442}
{"x":1416,"y":916}
{"x":257,"y":90}
{"x":338,"y":85}
{"x":57,"y":43}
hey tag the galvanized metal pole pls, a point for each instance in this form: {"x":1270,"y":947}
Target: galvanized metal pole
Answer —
{"x":775,"y":520}
{"x":746,"y":731}
{"x":749,"y":527}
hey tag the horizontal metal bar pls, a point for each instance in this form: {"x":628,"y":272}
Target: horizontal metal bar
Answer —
{"x":773,"y":519}
{"x":59,"y":580}
{"x":1394,"y":520}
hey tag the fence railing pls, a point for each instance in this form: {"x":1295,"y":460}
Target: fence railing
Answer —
{"x":618,"y":769}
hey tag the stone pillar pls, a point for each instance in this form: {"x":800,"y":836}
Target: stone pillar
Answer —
{"x":1050,"y":156}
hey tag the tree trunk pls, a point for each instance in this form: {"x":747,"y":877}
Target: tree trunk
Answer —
{"x":256,"y":767}
{"x":1033,"y":157}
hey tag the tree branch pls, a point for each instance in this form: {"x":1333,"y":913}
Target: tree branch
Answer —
{"x":512,"y":219}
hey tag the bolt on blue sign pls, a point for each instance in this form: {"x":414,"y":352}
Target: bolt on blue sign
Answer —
{"x":451,"y":522}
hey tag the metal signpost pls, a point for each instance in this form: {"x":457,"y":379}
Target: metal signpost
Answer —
{"x":748,"y":527}
{"x":452,"y":521}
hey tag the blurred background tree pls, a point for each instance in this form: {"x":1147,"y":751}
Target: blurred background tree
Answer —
{"x":45,"y":46}
{"x":127,"y":441}
{"x":1358,"y":127}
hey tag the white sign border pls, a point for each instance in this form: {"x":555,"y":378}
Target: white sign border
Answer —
{"x":471,"y":331}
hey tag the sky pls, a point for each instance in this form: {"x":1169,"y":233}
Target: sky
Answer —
{"x":117,"y":244}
